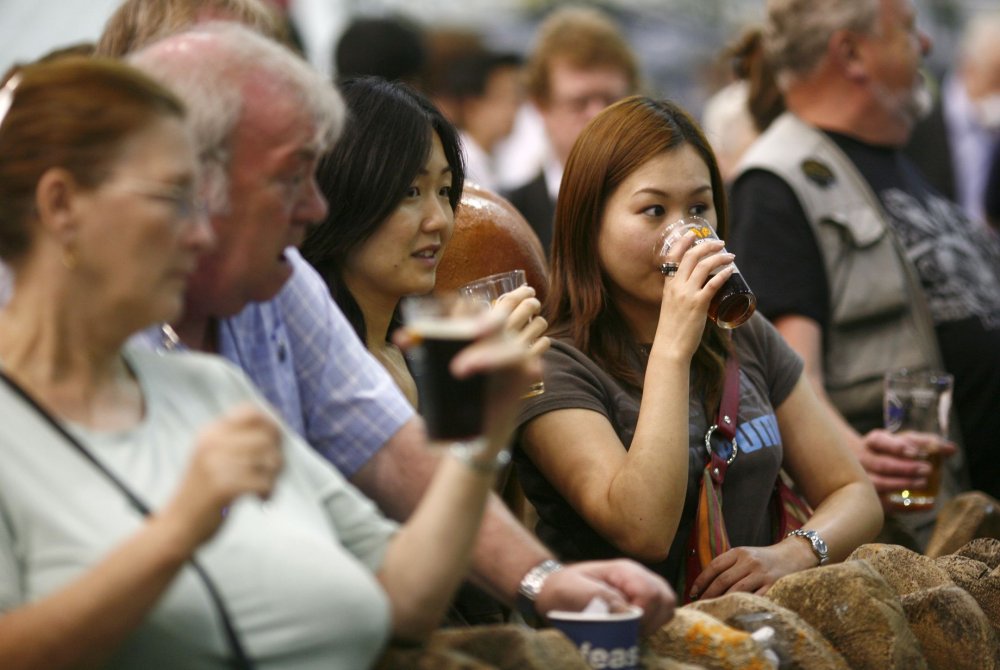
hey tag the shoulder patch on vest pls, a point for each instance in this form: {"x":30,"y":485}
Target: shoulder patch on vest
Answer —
{"x":818,"y":173}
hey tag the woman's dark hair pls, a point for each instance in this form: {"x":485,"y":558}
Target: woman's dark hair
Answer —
{"x":614,"y":145}
{"x":385,"y":143}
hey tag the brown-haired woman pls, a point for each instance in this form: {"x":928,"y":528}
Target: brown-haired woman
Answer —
{"x":613,"y":453}
{"x":153,"y":512}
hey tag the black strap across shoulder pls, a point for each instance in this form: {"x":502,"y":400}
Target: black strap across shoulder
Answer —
{"x":240,"y":659}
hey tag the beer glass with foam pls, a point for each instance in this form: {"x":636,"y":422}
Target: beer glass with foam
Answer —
{"x":441,"y":326}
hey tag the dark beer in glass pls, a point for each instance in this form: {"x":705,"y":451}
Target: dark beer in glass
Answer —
{"x":441,"y":326}
{"x":453,"y":408}
{"x":734,"y":302}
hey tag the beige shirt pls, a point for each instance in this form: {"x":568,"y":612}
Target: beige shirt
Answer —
{"x":295,"y":572}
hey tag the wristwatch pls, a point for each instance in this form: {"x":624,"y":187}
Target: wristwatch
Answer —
{"x":818,"y":545}
{"x":531,"y":586}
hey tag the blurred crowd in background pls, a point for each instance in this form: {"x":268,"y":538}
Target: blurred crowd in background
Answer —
{"x":678,"y":41}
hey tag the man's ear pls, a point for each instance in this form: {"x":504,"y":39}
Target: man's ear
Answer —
{"x":54,"y":200}
{"x":846,"y":51}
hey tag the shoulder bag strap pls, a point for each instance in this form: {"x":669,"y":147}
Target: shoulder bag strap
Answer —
{"x":708,"y":537}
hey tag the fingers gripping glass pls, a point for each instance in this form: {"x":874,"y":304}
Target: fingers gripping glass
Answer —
{"x":489,"y":290}
{"x":441,"y":326}
{"x":734,"y":302}
{"x":918,"y":401}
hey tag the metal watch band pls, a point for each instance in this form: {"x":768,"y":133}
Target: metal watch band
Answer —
{"x":490,"y":467}
{"x":531,"y":585}
{"x":816,"y":542}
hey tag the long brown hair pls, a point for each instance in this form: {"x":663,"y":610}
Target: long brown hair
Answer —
{"x":613,"y":145}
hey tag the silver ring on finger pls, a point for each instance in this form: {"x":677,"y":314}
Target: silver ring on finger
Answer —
{"x":669,"y":268}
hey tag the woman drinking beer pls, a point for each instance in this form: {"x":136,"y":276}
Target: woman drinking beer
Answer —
{"x":153,"y":511}
{"x":640,"y":384}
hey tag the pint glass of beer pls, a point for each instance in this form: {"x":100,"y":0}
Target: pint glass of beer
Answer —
{"x":488,"y":290}
{"x":918,"y":401}
{"x":734,"y":303}
{"x":441,"y":326}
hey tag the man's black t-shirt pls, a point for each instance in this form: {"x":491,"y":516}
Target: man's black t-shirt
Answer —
{"x":958,"y":263}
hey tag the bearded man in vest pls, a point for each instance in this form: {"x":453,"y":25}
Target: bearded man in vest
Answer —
{"x":860,"y":264}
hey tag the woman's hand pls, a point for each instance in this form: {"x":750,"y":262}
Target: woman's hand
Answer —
{"x":753,"y":569}
{"x":512,"y":363}
{"x":523,"y":323}
{"x":235,"y":455}
{"x":688,"y":292}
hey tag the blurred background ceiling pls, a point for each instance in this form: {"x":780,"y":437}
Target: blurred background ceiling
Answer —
{"x":678,"y":40}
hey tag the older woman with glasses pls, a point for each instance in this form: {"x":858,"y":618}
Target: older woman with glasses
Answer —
{"x":153,"y":511}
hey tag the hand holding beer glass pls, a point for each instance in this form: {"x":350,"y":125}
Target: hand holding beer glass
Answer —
{"x":918,"y":402}
{"x":734,"y":302}
{"x":467,"y":405}
{"x":522,"y":321}
{"x":440,"y":327}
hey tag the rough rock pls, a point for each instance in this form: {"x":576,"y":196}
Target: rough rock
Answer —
{"x":506,"y":647}
{"x":420,"y":658}
{"x":701,"y":639}
{"x":858,"y":613}
{"x":803,"y":646}
{"x":954,"y":632}
{"x":985,"y":549}
{"x":653,"y":661}
{"x":904,"y":570}
{"x":962,"y":519}
{"x":982,"y":583}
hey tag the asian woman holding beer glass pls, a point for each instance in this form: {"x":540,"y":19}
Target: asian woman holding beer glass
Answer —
{"x":613,"y":455}
{"x":154,"y":513}
{"x":393,"y":183}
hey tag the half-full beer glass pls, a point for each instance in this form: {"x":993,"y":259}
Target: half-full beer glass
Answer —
{"x":734,"y":302}
{"x":442,"y":325}
{"x":918,"y":401}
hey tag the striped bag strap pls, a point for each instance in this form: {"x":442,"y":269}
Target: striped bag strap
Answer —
{"x":708,"y":537}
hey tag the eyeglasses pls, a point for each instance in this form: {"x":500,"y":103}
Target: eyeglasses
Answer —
{"x":581,"y":103}
{"x":183,"y":200}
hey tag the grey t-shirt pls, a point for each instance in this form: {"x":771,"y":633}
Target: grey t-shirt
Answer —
{"x":769,"y":370}
{"x":295,"y":571}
